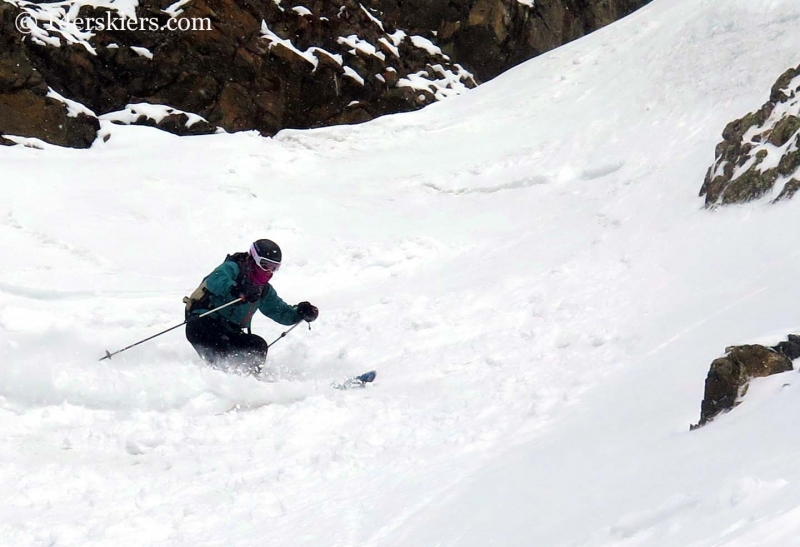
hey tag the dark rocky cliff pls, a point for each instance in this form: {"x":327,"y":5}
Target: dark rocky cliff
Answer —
{"x":263,"y":65}
{"x":490,"y":36}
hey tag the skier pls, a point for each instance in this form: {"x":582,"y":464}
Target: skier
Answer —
{"x":219,"y":338}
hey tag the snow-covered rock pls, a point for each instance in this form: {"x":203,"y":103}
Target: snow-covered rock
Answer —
{"x":729,"y":376}
{"x":29,"y":108}
{"x":263,"y":66}
{"x":760,"y":153}
{"x":161,"y":116}
{"x":490,"y":36}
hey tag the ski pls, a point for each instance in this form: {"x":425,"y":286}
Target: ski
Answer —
{"x":356,"y":381}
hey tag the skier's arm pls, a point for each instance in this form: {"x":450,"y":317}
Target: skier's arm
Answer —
{"x":222,"y":280}
{"x":276,"y":309}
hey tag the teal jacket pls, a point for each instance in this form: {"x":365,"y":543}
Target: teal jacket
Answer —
{"x":217,"y":289}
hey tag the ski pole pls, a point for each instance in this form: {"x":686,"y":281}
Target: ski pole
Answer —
{"x":287,"y":331}
{"x":109,"y":355}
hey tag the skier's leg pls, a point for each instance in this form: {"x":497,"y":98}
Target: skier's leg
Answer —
{"x":210,"y":339}
{"x":249,"y":351}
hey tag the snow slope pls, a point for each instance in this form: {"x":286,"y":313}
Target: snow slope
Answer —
{"x":528,"y":267}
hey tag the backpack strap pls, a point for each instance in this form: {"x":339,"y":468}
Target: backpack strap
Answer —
{"x":243,"y":261}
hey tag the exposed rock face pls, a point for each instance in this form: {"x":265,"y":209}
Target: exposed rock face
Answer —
{"x":490,"y":36}
{"x":729,"y":376}
{"x":263,"y":65}
{"x":270,"y":64}
{"x":760,"y":153}
{"x":25,"y":107}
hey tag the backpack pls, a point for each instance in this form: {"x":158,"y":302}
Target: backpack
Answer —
{"x":200,"y":298}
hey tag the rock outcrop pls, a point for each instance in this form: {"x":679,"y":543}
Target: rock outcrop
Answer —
{"x":760,"y":153}
{"x":729,"y":376}
{"x":490,"y":36}
{"x":27,"y":108}
{"x":245,"y":65}
{"x":264,"y":65}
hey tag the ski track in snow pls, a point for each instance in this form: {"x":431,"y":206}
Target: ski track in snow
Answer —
{"x":527,"y":267}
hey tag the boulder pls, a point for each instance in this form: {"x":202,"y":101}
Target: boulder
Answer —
{"x":26,"y":113}
{"x":729,"y":376}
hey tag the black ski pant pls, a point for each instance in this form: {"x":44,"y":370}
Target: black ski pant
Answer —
{"x":222,"y":347}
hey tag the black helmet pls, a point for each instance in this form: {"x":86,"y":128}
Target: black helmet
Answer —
{"x":266,"y":254}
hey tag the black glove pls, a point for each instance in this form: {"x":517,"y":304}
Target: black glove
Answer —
{"x":307,"y":312}
{"x":248,"y":291}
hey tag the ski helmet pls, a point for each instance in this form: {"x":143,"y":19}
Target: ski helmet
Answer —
{"x":266,"y":254}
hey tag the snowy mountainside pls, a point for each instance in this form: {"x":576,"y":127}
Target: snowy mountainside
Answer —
{"x":541,"y":298}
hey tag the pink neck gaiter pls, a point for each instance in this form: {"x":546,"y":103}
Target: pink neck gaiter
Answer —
{"x":258,"y":276}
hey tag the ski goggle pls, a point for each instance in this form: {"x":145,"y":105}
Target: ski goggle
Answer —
{"x":264,"y":263}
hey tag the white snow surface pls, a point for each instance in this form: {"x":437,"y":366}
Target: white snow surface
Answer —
{"x":274,"y":39}
{"x":391,"y":47}
{"x":423,"y":43}
{"x":351,"y":73}
{"x":142,"y":52}
{"x":74,"y":108}
{"x":528,"y":267}
{"x":372,"y":17}
{"x":357,"y":43}
{"x":175,"y":10}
